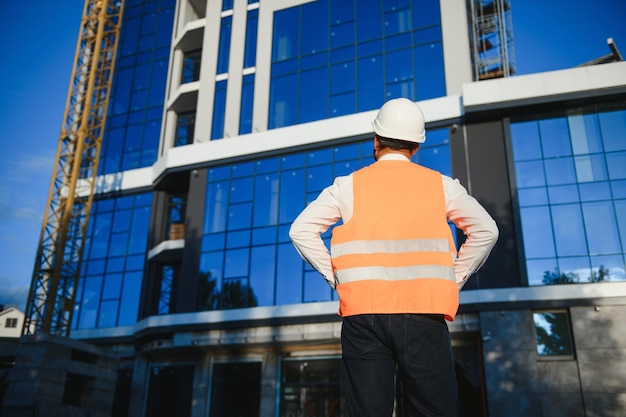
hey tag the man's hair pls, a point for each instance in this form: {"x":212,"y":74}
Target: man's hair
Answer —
{"x":396,"y":144}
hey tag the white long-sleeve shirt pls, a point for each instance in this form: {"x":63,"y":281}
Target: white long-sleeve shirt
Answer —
{"x":335,"y":202}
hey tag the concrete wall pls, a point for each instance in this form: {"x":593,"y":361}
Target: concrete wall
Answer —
{"x":520,"y":383}
{"x":600,"y":343}
{"x":54,"y":376}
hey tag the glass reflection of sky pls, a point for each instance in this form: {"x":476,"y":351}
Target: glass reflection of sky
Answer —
{"x":552,"y":332}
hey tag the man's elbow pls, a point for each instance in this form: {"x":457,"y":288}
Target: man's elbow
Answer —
{"x":295,"y":232}
{"x":493,"y":231}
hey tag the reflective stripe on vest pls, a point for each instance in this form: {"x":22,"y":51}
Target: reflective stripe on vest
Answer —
{"x":394,"y":246}
{"x":396,"y":253}
{"x":393,"y":260}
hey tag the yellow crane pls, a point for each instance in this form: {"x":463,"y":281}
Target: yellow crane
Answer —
{"x":52,"y":293}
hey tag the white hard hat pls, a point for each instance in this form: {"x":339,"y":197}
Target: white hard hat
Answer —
{"x":400,"y":119}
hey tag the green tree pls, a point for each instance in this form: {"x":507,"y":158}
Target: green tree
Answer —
{"x":233,"y":294}
{"x":556,"y":277}
{"x":208,"y":295}
{"x":236,"y":295}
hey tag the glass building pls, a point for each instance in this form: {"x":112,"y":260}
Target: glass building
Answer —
{"x":227,"y":117}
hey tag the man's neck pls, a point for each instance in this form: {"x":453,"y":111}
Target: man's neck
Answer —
{"x":400,"y":152}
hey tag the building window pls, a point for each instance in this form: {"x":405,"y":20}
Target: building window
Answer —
{"x":177,"y":209}
{"x":247,"y":102}
{"x":191,"y":66}
{"x":310,"y":387}
{"x":553,"y":334}
{"x":247,"y":258}
{"x":219,"y":110}
{"x":185,"y":128}
{"x":371,"y":54}
{"x":10,"y":323}
{"x":571,"y":190}
{"x":227,"y":5}
{"x":224,"y":47}
{"x":167,"y":290}
{"x":229,"y":382}
{"x":249,"y":56}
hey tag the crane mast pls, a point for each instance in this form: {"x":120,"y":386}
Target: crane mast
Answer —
{"x":52,"y":293}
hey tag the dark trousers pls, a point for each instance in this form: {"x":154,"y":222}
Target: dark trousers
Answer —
{"x":418,"y":345}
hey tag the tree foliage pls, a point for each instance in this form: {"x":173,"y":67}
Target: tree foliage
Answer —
{"x":234,"y":294}
{"x":553,"y":334}
{"x":558,"y":277}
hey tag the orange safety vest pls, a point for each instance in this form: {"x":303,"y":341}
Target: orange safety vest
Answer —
{"x":396,"y":254}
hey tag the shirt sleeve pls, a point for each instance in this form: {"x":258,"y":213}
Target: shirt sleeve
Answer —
{"x":480,"y":229}
{"x":307,"y":228}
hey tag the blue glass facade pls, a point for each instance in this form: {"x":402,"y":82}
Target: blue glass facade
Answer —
{"x":113,"y":266}
{"x":571,"y":189}
{"x":116,"y":243}
{"x":336,"y":57}
{"x":131,"y":139}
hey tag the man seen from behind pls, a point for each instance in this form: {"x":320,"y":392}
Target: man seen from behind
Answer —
{"x":395,"y":267}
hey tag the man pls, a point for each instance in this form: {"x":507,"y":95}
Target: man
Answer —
{"x":395,"y":267}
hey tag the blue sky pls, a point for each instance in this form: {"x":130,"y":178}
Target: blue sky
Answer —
{"x":37,"y":50}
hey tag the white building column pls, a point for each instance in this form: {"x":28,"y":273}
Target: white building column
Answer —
{"x":456,"y":45}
